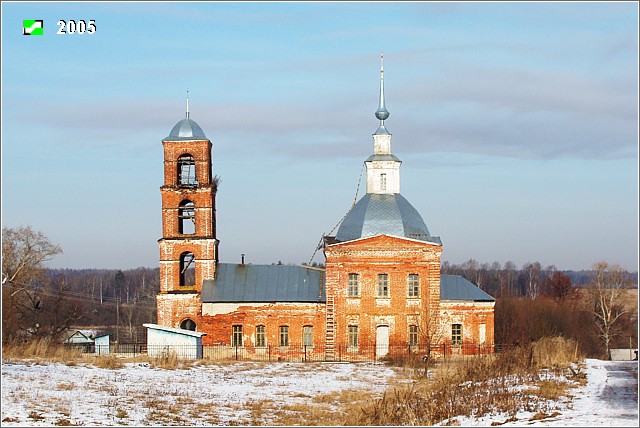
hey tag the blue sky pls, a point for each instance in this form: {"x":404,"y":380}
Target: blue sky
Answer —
{"x":517,"y":124}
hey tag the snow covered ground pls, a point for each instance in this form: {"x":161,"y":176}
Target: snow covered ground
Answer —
{"x":610,"y":398}
{"x":231,"y":394}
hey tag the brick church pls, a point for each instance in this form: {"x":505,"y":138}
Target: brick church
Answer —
{"x":381,"y":289}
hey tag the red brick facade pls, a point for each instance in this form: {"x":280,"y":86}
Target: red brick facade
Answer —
{"x":382,"y":289}
{"x":219,"y":318}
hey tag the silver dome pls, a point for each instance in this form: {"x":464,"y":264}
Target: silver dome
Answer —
{"x":389,"y":214}
{"x":186,"y":129}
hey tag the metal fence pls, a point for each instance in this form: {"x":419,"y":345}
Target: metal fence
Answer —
{"x":297,"y":352}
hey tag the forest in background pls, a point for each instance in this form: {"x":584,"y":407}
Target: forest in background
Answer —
{"x":598,"y":307}
{"x":531,"y":302}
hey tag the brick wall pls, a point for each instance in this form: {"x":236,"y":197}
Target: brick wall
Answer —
{"x":218,"y":320}
{"x":173,"y":309}
{"x":397,"y":258}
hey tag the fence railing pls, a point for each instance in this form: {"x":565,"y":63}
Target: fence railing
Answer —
{"x":369,"y":352}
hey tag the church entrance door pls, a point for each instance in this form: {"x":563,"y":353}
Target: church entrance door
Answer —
{"x":382,"y":341}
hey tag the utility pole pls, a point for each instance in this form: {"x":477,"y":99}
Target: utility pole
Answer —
{"x":118,"y":321}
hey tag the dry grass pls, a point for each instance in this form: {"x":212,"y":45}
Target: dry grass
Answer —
{"x":550,"y":390}
{"x":169,"y":361}
{"x":40,"y":349}
{"x":110,"y":362}
{"x":474,"y":387}
{"x":555,"y":352}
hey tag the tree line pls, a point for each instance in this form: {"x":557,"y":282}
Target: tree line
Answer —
{"x":531,"y":301}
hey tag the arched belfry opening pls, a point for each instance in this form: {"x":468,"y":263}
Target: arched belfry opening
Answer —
{"x":187,"y":217}
{"x":187,"y":171}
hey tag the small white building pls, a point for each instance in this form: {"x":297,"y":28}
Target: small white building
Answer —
{"x":163,"y":340}
{"x":102,"y":345}
{"x":80,"y":339}
{"x":624,"y":354}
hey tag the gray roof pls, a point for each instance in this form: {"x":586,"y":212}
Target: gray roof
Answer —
{"x":389,"y":214}
{"x":456,"y":287}
{"x":385,"y":157}
{"x":236,"y":283}
{"x":264,"y":283}
{"x":186,"y":129}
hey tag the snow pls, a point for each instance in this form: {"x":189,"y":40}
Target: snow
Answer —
{"x":610,"y":398}
{"x":48,"y":394}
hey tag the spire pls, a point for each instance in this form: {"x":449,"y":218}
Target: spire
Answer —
{"x":187,"y":104}
{"x":382,"y":113}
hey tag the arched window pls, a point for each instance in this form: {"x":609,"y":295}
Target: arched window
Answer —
{"x":187,"y":269}
{"x":187,"y":217}
{"x":188,"y":324}
{"x":383,"y":181}
{"x":187,"y":171}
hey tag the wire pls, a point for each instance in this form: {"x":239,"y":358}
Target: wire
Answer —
{"x":355,"y":198}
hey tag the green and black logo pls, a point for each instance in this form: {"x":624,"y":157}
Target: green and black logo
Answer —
{"x":33,"y":27}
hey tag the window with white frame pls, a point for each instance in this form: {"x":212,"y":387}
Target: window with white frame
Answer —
{"x":261,"y":337}
{"x":236,"y":338}
{"x":284,"y":335}
{"x":456,"y":334}
{"x":307,"y":335}
{"x":383,"y":285}
{"x":413,"y":285}
{"x":354,"y":285}
{"x":353,"y":336}
{"x":413,"y":335}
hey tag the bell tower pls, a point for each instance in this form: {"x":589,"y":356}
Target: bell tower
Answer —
{"x":188,"y":247}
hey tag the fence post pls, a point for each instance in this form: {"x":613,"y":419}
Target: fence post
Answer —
{"x":305,"y":353}
{"x":236,"y":352}
{"x":269,"y":351}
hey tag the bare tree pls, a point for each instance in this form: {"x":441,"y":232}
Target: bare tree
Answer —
{"x":606,"y":293}
{"x":510,"y":273}
{"x":431,"y":332}
{"x":24,"y":252}
{"x":532,"y":273}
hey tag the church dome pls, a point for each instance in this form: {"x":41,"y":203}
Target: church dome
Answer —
{"x":186,"y":129}
{"x":389,"y":214}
